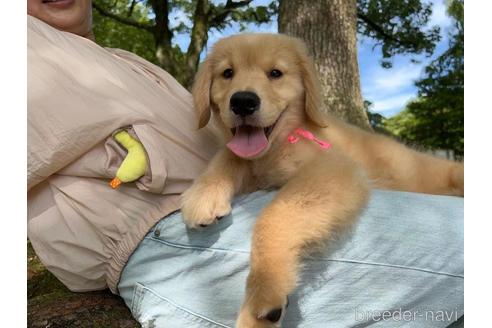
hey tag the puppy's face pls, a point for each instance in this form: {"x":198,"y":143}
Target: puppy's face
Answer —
{"x":260,"y":86}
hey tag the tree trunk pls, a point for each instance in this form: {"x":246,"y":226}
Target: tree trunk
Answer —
{"x":163,"y":37}
{"x":329,"y":28}
{"x":198,"y":40}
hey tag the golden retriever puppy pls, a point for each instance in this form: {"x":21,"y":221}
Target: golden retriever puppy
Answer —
{"x":264,"y":94}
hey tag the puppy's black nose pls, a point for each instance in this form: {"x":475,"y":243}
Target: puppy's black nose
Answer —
{"x":244,"y":103}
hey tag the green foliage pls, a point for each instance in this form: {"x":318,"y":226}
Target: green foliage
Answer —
{"x":113,"y":34}
{"x":150,"y":27}
{"x":435,"y":120}
{"x":377,"y":121}
{"x":258,"y":15}
{"x":398,"y":26}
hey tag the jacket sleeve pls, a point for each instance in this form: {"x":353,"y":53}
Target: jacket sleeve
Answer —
{"x":68,"y":113}
{"x":80,"y":93}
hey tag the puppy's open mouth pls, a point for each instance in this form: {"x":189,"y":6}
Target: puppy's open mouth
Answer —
{"x":249,"y":141}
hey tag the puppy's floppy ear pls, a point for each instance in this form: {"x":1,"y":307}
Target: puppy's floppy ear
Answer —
{"x":201,"y":93}
{"x":312,"y":88}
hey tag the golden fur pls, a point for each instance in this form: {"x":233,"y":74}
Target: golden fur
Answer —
{"x":321,"y":191}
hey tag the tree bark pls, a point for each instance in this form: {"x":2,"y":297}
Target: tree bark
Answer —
{"x":198,"y":40}
{"x":329,"y":28}
{"x":163,"y":36}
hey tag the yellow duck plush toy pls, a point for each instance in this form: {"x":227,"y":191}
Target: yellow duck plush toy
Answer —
{"x":135,"y":163}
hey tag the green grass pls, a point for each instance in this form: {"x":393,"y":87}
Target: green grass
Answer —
{"x":51,"y":304}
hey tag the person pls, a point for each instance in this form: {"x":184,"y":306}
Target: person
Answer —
{"x":401,"y":264}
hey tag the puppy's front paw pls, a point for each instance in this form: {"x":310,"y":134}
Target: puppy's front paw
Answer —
{"x":264,"y":305}
{"x":202,"y":205}
{"x":251,"y":319}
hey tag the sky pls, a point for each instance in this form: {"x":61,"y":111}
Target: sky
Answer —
{"x":389,"y":90}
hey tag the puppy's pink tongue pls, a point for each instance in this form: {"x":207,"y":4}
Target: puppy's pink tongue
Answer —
{"x":248,"y":141}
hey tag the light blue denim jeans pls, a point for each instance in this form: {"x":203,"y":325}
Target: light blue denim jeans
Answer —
{"x":401,"y":265}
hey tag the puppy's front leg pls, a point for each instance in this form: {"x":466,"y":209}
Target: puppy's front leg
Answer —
{"x":209,"y":198}
{"x":324,"y":197}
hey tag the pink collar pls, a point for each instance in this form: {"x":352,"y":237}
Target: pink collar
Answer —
{"x":293,"y":138}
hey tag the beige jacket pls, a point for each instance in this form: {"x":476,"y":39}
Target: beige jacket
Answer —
{"x":78,"y":95}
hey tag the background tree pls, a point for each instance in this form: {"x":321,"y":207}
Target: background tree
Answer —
{"x":376,"y":120}
{"x":113,"y":34}
{"x":435,"y":120}
{"x":144,"y":26}
{"x":330,"y":29}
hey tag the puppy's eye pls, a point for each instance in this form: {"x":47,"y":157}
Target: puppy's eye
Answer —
{"x":228,"y":73}
{"x":275,"y":74}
